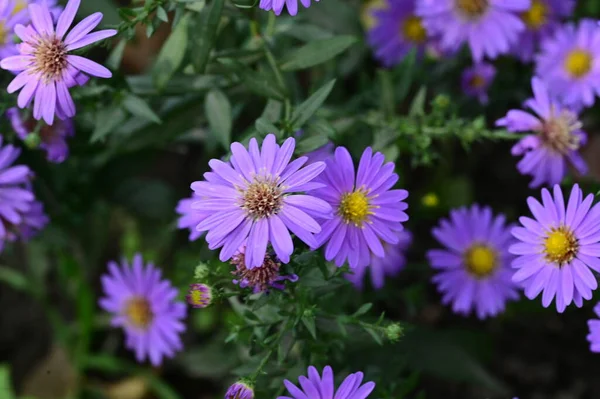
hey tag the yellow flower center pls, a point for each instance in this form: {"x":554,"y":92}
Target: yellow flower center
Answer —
{"x":355,"y":208}
{"x":472,"y":9}
{"x":431,"y":200}
{"x":477,"y":82}
{"x":20,"y":5}
{"x":578,"y":63}
{"x":367,"y":17}
{"x":480,"y":260}
{"x":3,"y":33}
{"x":413,"y":29}
{"x":537,"y":15}
{"x":560,"y":246}
{"x":138,"y":312}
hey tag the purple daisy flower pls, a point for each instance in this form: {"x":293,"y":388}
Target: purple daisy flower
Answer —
{"x":367,"y":212}
{"x":541,"y":20}
{"x":474,"y":268}
{"x":556,"y":142}
{"x":8,"y":20}
{"x":261,"y":278}
{"x":390,"y":265}
{"x":594,"y":335}
{"x":316,"y":386}
{"x":278,"y":5}
{"x":32,"y":222}
{"x":490,"y":27}
{"x":396,"y":32}
{"x":476,"y":81}
{"x":256,"y":197}
{"x":144,"y":305}
{"x":569,"y":63}
{"x":20,"y":9}
{"x":53,"y":137}
{"x":558,"y":248}
{"x":240,"y":390}
{"x":46,"y":69}
{"x":190,"y":218}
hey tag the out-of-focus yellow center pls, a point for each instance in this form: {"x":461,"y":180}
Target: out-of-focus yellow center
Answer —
{"x":430,"y":200}
{"x":477,"y":82}
{"x":20,"y":5}
{"x":560,"y":246}
{"x":367,"y":16}
{"x":413,"y":30}
{"x":355,"y":208}
{"x":138,"y":312}
{"x":578,"y":63}
{"x":472,"y":9}
{"x":3,"y":33}
{"x":537,"y":15}
{"x":480,"y":260}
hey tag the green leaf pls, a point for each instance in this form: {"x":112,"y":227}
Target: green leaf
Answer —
{"x":5,"y":385}
{"x":162,"y":14}
{"x":204,"y":40}
{"x":140,"y":108}
{"x":13,"y":278}
{"x":265,"y":127}
{"x":172,"y":53}
{"x":107,"y":119}
{"x":116,"y":56}
{"x":363,"y":310}
{"x":408,"y":73}
{"x":305,"y":111}
{"x":417,"y":108}
{"x":309,"y":323}
{"x":375,"y":334}
{"x":218,"y":113}
{"x":317,"y":52}
{"x":262,"y":84}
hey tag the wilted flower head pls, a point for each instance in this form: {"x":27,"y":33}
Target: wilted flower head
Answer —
{"x":477,"y":79}
{"x":490,"y":27}
{"x":397,"y":30}
{"x":260,"y":278}
{"x":256,"y":197}
{"x":240,"y":390}
{"x":316,"y":386}
{"x":278,"y":5}
{"x":558,"y":248}
{"x":145,"y":306}
{"x":556,"y":142}
{"x":199,"y":295}
{"x":473,"y":270}
{"x":46,"y":68}
{"x":568,"y":63}
{"x":52,"y":137}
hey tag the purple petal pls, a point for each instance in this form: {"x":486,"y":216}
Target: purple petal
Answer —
{"x":66,"y":18}
{"x":83,"y":28}
{"x":91,"y":38}
{"x":88,"y":66}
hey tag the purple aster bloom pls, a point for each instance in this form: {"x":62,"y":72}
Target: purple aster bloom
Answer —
{"x":261,"y":278}
{"x":594,"y":335}
{"x":240,"y":390}
{"x":8,"y":20}
{"x":367,"y":212}
{"x":190,"y":218}
{"x":555,"y":142}
{"x":390,"y":265}
{"x":541,"y":20}
{"x":255,"y":196}
{"x":569,"y":63}
{"x":46,"y":69}
{"x":316,"y":386}
{"x":32,"y":222}
{"x":558,"y":248}
{"x":278,"y":5}
{"x":474,"y":268}
{"x":396,"y":32}
{"x":477,"y":79}
{"x":490,"y":27}
{"x":53,"y":137}
{"x":145,"y":306}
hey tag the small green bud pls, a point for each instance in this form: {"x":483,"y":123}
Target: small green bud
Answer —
{"x":201,"y":271}
{"x":33,"y":140}
{"x":394,"y":331}
{"x":441,"y":101}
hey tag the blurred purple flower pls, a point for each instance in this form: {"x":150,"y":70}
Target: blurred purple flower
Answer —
{"x":594,"y":335}
{"x":53,"y":137}
{"x":316,"y":386}
{"x":558,"y":248}
{"x":46,"y":69}
{"x":239,"y":390}
{"x":557,"y":139}
{"x":145,"y":306}
{"x":278,"y":5}
{"x":390,"y":265}
{"x":474,"y":268}
{"x":477,"y":79}
{"x":190,"y":218}
{"x":541,"y":20}
{"x":367,"y":212}
{"x":397,"y":30}
{"x":256,"y":197}
{"x":490,"y":27}
{"x":569,"y":63}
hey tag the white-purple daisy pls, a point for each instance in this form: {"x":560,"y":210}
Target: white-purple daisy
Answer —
{"x":258,"y":196}
{"x":489,"y":27}
{"x":145,"y":306}
{"x":558,"y":248}
{"x":474,"y":271}
{"x":46,"y":69}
